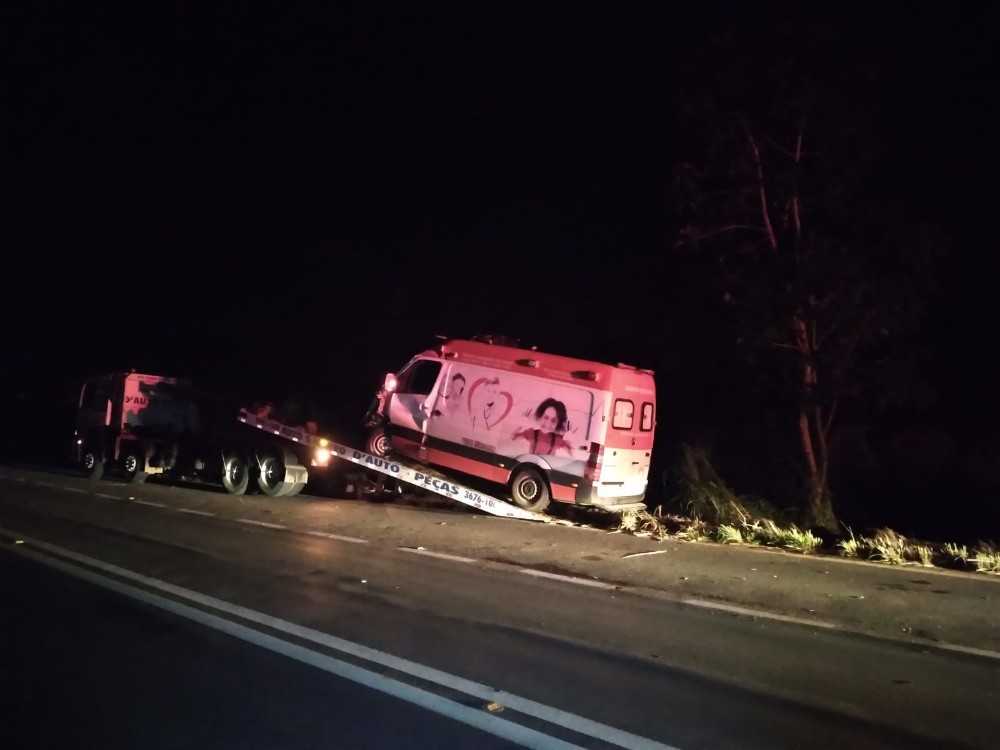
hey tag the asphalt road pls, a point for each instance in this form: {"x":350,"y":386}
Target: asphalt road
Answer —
{"x":125,"y":623}
{"x":85,"y":668}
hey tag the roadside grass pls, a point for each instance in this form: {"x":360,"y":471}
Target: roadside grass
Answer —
{"x":987,"y":558}
{"x":713,"y":512}
{"x":767,"y":533}
{"x":703,"y":494}
{"x":888,"y":546}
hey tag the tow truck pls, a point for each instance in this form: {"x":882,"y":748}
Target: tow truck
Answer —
{"x":141,"y":425}
{"x":396,"y":470}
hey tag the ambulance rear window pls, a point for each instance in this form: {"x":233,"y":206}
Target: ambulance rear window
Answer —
{"x":622,"y":419}
{"x":646,"y":423}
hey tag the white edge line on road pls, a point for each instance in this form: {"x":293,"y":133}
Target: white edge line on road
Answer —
{"x":338,"y":537}
{"x":475,"y":717}
{"x":194,"y":512}
{"x":262,"y":523}
{"x":971,"y":650}
{"x":106,"y":496}
{"x":569,"y":579}
{"x":440,"y":555}
{"x":150,"y":503}
{"x":550,"y":714}
{"x":733,"y":609}
{"x":73,"y":489}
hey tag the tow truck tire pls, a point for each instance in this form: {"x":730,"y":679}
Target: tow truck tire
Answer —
{"x":290,"y":488}
{"x":92,"y":464}
{"x":133,"y":465}
{"x":378,"y":443}
{"x":235,"y":474}
{"x":529,"y":490}
{"x":271,"y":480}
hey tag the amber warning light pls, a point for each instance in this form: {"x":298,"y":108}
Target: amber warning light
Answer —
{"x":321,"y":456}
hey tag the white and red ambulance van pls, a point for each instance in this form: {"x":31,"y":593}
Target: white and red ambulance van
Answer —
{"x":546,"y":427}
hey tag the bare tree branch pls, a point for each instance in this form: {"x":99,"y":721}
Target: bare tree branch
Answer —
{"x":826,"y":334}
{"x":787,"y":152}
{"x":779,"y":149}
{"x":830,"y":415}
{"x":730,"y":228}
{"x":801,"y":336}
{"x":765,"y":213}
{"x":796,"y":212}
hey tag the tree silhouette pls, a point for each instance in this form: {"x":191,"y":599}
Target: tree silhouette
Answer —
{"x":787,"y":189}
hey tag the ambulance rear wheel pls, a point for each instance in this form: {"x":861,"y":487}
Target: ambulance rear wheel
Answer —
{"x":378,"y":443}
{"x":529,"y":490}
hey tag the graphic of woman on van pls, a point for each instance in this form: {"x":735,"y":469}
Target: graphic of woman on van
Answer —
{"x":547,"y":437}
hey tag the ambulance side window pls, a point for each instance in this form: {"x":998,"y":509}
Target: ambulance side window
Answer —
{"x":420,"y":378}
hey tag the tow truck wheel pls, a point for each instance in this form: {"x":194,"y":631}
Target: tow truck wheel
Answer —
{"x":272,"y":476}
{"x":378,"y":443}
{"x":133,"y":464}
{"x":92,"y":465}
{"x":290,"y":488}
{"x":528,"y":490}
{"x":235,"y":474}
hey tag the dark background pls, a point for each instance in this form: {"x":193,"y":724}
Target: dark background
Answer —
{"x":289,"y":203}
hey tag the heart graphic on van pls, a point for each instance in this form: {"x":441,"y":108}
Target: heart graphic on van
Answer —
{"x":481,"y":410}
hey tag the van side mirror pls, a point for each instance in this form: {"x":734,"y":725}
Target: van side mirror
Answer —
{"x":390,"y":382}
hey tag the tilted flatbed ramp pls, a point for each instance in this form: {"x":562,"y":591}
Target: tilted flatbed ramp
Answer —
{"x":419,"y":476}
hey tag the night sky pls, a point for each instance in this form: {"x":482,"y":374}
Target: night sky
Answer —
{"x":296,"y":200}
